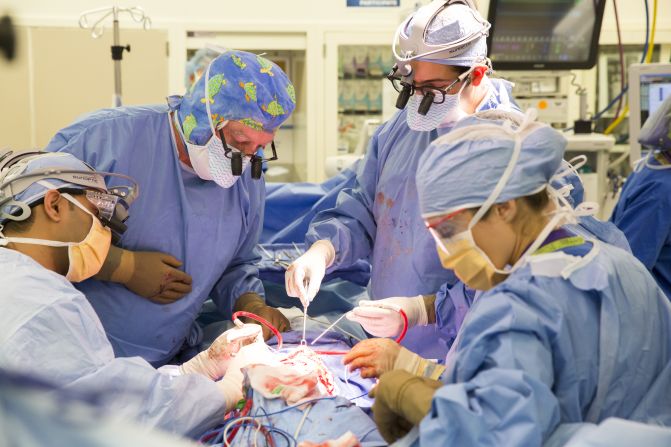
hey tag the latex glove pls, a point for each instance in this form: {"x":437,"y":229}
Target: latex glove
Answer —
{"x":384,"y":322}
{"x":232,"y":383}
{"x":215,"y":361}
{"x":373,"y":357}
{"x":251,"y":302}
{"x":402,"y":400}
{"x":304,"y":276}
{"x":150,"y":274}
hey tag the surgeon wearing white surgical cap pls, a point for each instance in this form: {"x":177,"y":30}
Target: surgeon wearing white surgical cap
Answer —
{"x":379,"y":219}
{"x":567,"y":330}
{"x":48,"y":329}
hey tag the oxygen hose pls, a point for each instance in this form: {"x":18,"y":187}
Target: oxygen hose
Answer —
{"x":273,"y":329}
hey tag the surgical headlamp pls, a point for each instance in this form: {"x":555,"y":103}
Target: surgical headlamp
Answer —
{"x":414,"y":46}
{"x":112,"y":203}
{"x":236,"y":158}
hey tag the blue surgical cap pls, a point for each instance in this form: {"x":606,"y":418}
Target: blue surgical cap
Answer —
{"x":656,"y":132}
{"x":453,"y":24}
{"x":42,"y":162}
{"x":461,"y":169}
{"x":241,"y":87}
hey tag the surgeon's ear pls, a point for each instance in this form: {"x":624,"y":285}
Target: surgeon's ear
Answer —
{"x":507,"y":211}
{"x":54,"y":205}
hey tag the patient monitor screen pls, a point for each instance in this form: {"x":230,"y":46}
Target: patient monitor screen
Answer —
{"x":542,"y":30}
{"x":654,"y":88}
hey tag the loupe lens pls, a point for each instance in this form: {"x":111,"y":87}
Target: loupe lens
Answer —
{"x":236,"y":163}
{"x":425,"y":105}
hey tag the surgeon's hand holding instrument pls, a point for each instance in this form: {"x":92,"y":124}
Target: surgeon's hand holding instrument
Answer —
{"x":304,"y":276}
{"x":385,"y":317}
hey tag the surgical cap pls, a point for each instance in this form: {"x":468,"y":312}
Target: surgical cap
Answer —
{"x":656,"y":132}
{"x":197,"y":65}
{"x":241,"y":87}
{"x":457,"y":173}
{"x":451,"y":25}
{"x":41,"y":162}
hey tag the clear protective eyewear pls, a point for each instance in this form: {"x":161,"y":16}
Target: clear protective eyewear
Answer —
{"x":446,"y":227}
{"x":236,"y":158}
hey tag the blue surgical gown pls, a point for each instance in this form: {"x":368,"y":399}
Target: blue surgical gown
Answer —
{"x":212,"y":230}
{"x":453,"y":301}
{"x":538,"y":351}
{"x":643,"y":213}
{"x":379,"y":218}
{"x":48,"y":329}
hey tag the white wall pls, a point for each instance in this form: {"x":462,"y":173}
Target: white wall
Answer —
{"x":208,"y":11}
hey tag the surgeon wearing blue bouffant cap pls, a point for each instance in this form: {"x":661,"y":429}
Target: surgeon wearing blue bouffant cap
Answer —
{"x":198,"y":161}
{"x":442,"y":75}
{"x":566,"y":330}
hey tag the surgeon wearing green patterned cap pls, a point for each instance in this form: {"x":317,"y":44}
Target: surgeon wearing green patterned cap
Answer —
{"x":194,"y":160}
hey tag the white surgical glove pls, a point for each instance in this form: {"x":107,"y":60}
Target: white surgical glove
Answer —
{"x":304,"y":276}
{"x":253,"y":354}
{"x":214,"y":361}
{"x":384,"y":322}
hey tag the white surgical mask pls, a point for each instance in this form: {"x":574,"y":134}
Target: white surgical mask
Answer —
{"x":209,"y":161}
{"x":449,"y":111}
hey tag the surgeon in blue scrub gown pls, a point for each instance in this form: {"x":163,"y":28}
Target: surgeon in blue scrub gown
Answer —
{"x":452,"y":301}
{"x":568,"y":330}
{"x":643,"y":211}
{"x":191,"y":205}
{"x":49,"y":330}
{"x":379,"y":218}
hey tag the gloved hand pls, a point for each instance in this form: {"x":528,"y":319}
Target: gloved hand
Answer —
{"x":231,"y":384}
{"x":417,"y":365}
{"x":216,"y":360}
{"x":251,"y":302}
{"x":150,"y":274}
{"x":304,"y":276}
{"x":381,"y":321}
{"x":402,"y":400}
{"x":374,"y":356}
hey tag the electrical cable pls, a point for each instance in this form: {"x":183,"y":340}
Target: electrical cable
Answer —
{"x":648,"y":57}
{"x":621,"y":53}
{"x":626,"y":87}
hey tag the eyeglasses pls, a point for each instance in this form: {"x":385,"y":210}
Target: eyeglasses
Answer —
{"x":437,"y":94}
{"x":255,"y":160}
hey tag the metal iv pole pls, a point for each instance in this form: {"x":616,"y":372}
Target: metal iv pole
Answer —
{"x":97,"y":30}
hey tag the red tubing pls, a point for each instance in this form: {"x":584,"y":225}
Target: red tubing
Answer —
{"x":263,"y":321}
{"x":401,"y":336}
